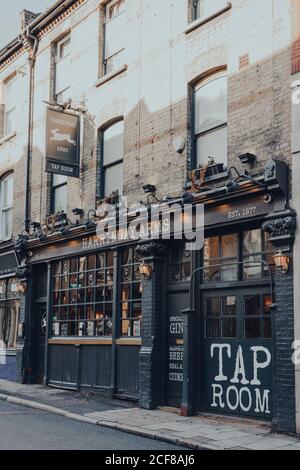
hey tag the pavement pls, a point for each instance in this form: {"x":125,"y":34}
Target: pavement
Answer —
{"x":201,"y":432}
{"x":24,"y":428}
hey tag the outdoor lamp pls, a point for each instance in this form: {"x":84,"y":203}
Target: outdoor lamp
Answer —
{"x":145,"y":270}
{"x":22,"y":287}
{"x":282,"y":261}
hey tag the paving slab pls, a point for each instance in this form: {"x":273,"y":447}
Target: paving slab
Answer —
{"x":199,"y":432}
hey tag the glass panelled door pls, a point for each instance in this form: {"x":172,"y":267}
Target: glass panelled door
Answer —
{"x":237,"y":351}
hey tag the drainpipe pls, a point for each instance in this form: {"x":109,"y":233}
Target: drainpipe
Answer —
{"x":32,"y":60}
{"x":27,"y":346}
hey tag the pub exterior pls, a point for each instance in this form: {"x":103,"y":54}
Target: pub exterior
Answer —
{"x":206,"y":330}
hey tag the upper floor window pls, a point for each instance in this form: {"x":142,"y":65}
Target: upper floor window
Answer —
{"x":62,"y":69}
{"x":113,"y":159}
{"x":204,"y":8}
{"x":114,"y":36}
{"x":6,"y":206}
{"x":210,"y":119}
{"x":10,"y":105}
{"x":59,"y":194}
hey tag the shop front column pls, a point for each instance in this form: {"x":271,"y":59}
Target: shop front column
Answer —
{"x":189,"y":329}
{"x":23,"y":273}
{"x":282,"y":233}
{"x":151,"y":354}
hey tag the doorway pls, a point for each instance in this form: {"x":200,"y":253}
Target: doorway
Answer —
{"x":236,"y":352}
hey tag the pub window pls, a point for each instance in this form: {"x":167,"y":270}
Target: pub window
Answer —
{"x":131,"y":294}
{"x":219,"y":251}
{"x":63,"y":69}
{"x":112,"y":149}
{"x":257,"y":247}
{"x":83,"y":296}
{"x":221,"y":317}
{"x":10,"y":105}
{"x":59,"y":193}
{"x":114,"y":36}
{"x":6,"y":206}
{"x":222,"y":254}
{"x":205,"y":8}
{"x":257,"y":316}
{"x":180,"y":263}
{"x":210,"y":118}
{"x":9,"y":313}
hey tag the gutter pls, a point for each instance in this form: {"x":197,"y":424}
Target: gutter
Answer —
{"x":45,"y":18}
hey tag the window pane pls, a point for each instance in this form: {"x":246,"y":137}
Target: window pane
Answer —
{"x":229,"y":306}
{"x":211,"y":248}
{"x":252,"y":305}
{"x":114,"y":35}
{"x":59,"y":179}
{"x":230,"y":272}
{"x":115,"y":62}
{"x":63,"y":75}
{"x":252,"y":267}
{"x":114,"y":9}
{"x":114,"y":179}
{"x":213,"y":144}
{"x":252,"y":327}
{"x":213,"y":328}
{"x":60,"y":199}
{"x":212,"y":271}
{"x":113,"y":143}
{"x":252,"y":242}
{"x":211,"y":105}
{"x":7,"y":224}
{"x":229,"y":246}
{"x":64,"y":48}
{"x":7,"y":191}
{"x":267,"y":328}
{"x":213,"y":307}
{"x":63,"y":69}
{"x":9,"y":121}
{"x":208,"y":7}
{"x":229,"y":329}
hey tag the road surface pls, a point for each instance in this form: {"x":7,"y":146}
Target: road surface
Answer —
{"x":23,"y":428}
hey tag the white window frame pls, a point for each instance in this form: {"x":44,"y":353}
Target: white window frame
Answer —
{"x":58,"y":59}
{"x":7,"y":110}
{"x":197,"y":3}
{"x":208,"y":130}
{"x":118,"y":162}
{"x":55,"y":186}
{"x":107,"y":59}
{"x":4,"y":210}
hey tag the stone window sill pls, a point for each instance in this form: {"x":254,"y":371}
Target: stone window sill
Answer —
{"x":206,"y":19}
{"x":110,"y":76}
{"x":7,"y":138}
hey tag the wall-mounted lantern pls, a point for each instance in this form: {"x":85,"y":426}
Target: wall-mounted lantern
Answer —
{"x":22,"y":287}
{"x":145,"y":270}
{"x":282,"y":261}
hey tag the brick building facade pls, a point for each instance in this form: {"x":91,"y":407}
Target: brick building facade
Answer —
{"x":145,"y":70}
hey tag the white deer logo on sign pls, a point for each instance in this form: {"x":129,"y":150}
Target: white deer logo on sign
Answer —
{"x":57,"y":136}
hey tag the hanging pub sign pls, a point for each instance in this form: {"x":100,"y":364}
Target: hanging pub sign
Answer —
{"x":62,"y":143}
{"x":8,"y":263}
